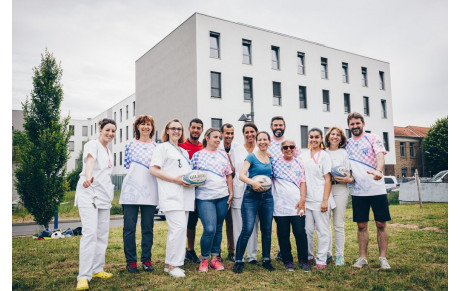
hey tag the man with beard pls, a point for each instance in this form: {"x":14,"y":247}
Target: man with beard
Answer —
{"x":366,"y":153}
{"x":192,"y":145}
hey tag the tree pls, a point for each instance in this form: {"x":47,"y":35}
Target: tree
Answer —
{"x":42,"y":146}
{"x":74,"y":175}
{"x":435,"y":145}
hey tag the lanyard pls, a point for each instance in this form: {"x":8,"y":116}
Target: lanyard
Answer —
{"x":186,"y":158}
{"x":313,"y":156}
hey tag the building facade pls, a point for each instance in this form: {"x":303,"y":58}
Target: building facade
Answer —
{"x":211,"y":68}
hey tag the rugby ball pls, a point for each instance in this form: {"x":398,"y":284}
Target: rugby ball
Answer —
{"x":266,"y":181}
{"x":57,"y":235}
{"x":195,"y":178}
{"x":339,"y":171}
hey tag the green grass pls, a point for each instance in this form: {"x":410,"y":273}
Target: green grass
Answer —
{"x":417,"y":253}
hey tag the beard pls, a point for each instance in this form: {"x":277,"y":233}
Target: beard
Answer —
{"x":194,"y":137}
{"x":360,"y":130}
{"x":278,"y":132}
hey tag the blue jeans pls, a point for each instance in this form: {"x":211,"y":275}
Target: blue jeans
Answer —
{"x":253,"y":203}
{"x":212,"y":215}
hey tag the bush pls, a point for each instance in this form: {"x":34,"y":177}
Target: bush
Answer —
{"x":116,"y":209}
{"x":72,"y":178}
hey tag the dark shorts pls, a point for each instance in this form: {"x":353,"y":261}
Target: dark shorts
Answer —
{"x":192,"y":219}
{"x":362,"y":205}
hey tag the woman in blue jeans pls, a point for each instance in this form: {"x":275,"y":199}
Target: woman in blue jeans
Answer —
{"x":213,"y":198}
{"x":256,"y":200}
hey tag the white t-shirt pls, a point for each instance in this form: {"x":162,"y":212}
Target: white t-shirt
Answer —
{"x":314,"y":175}
{"x":362,"y":153}
{"x":274,"y":149}
{"x":174,"y":161}
{"x":216,"y":165}
{"x":101,"y":190}
{"x":339,"y":157}
{"x":139,"y":186}
{"x":288,"y":175}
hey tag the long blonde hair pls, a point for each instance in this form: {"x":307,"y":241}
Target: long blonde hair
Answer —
{"x":165,"y":136}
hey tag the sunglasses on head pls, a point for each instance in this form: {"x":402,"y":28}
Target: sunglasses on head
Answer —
{"x":289,"y":147}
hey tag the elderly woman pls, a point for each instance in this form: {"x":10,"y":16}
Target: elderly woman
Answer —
{"x":335,"y":147}
{"x":289,"y":195}
{"x":139,"y":191}
{"x":93,"y":198}
{"x":176,"y":198}
{"x":213,"y":198}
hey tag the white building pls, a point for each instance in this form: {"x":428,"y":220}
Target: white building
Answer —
{"x":210,"y":68}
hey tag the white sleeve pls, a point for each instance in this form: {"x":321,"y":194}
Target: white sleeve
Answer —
{"x":327,"y":164}
{"x":158,"y":156}
{"x":90,"y":148}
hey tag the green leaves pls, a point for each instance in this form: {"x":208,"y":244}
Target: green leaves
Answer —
{"x":435,"y":145}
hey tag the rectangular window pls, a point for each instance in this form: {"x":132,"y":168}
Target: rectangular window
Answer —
{"x":84,"y":130}
{"x":114,"y":159}
{"x":115,"y":116}
{"x":324,"y":68}
{"x":382,"y":80}
{"x":91,"y":129}
{"x":214,"y":39}
{"x":121,"y":158}
{"x":72,"y":129}
{"x":346,"y":103}
{"x":403,"y":172}
{"x":275,"y":57}
{"x":348,"y":132}
{"x":326,"y":105}
{"x":115,"y":138}
{"x":368,"y":131}
{"x":121,"y":115}
{"x":385,"y":141}
{"x":134,"y":108}
{"x":402,"y":149}
{"x":95,"y":128}
{"x":216,"y":122}
{"x":121,"y":134}
{"x":366,"y":106}
{"x":247,"y":85}
{"x":304,"y":136}
{"x":215,"y":85}
{"x":364,"y":76}
{"x":300,"y":63}
{"x":412,"y":149}
{"x":325,"y":130}
{"x":247,"y":59}
{"x":302,"y":97}
{"x":345,"y":72}
{"x":384,"y":108}
{"x":71,"y":146}
{"x":127,"y":135}
{"x":276,"y":93}
{"x":412,"y":169}
{"x":127,"y":112}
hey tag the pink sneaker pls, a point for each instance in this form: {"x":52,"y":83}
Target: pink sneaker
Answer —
{"x":203,"y":265}
{"x":320,"y":267}
{"x":215,"y":264}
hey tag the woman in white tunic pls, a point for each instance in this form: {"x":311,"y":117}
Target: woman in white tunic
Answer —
{"x":317,"y":164}
{"x":93,"y":198}
{"x":335,"y":147}
{"x":176,"y":198}
{"x":139,"y":190}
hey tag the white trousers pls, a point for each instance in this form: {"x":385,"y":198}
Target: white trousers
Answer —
{"x":95,"y":223}
{"x":251,"y":249}
{"x":338,"y":214}
{"x":177,"y":236}
{"x":320,"y":221}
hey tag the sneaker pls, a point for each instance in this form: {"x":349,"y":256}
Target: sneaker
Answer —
{"x":147,"y":266}
{"x":238,"y":267}
{"x":254,"y":262}
{"x":219,"y":258}
{"x":203,"y":265}
{"x":329,"y":260}
{"x":268,"y":266}
{"x":176,"y":272}
{"x":289,"y":266}
{"x":82,"y":284}
{"x":191,"y":256}
{"x":279,"y":257}
{"x":132,"y":268}
{"x":360,"y":262}
{"x":231,"y":257}
{"x":179,"y":269}
{"x":216,"y":264}
{"x":319,"y":267}
{"x":384,"y":263}
{"x":339,"y":260}
{"x":311,"y":261}
{"x":103,"y":275}
{"x":305,"y":267}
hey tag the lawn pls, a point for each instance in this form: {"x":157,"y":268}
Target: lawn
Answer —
{"x":417,"y":253}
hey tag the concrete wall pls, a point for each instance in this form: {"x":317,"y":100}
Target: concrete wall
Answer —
{"x":431,"y":192}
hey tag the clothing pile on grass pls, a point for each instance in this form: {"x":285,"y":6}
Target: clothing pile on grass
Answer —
{"x":49,"y":233}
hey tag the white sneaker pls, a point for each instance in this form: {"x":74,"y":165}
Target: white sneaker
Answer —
{"x":384,"y":263}
{"x":176,"y":272}
{"x":360,"y":262}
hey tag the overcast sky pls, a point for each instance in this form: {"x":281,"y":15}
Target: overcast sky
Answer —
{"x":98,"y":42}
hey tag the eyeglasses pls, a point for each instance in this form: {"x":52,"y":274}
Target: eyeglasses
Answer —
{"x":175,"y":128}
{"x":289,"y":147}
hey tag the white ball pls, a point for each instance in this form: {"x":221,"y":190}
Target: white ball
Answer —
{"x":266,"y":181}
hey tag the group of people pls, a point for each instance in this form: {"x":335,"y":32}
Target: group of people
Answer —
{"x":303,"y":195}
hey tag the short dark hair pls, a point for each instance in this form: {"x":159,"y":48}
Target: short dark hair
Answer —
{"x":355,"y":115}
{"x":250,"y":124}
{"x":196,"y":120}
{"x":102,"y":123}
{"x":226,"y":125}
{"x":262,"y":132}
{"x":277,"y":118}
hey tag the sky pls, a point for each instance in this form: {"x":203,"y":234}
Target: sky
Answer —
{"x":98,"y":42}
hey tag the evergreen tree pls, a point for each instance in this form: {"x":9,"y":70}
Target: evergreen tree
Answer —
{"x":42,"y":146}
{"x":435,"y":145}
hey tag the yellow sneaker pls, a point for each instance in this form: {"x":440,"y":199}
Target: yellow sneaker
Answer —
{"x":103,"y":275}
{"x":82,"y":284}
